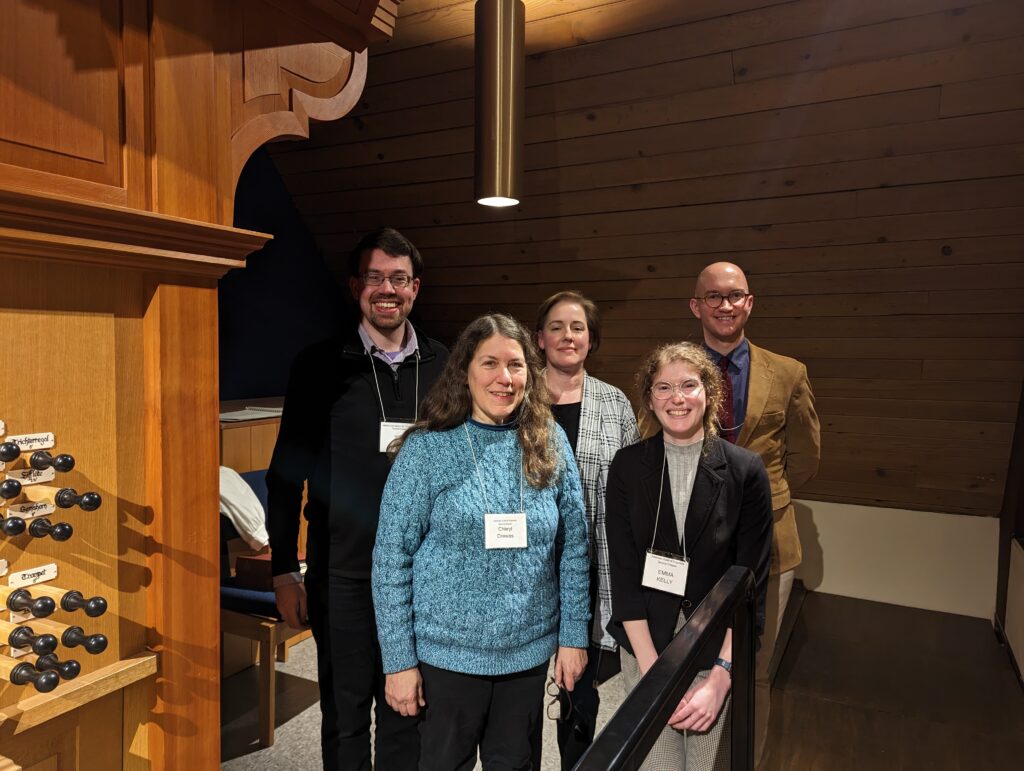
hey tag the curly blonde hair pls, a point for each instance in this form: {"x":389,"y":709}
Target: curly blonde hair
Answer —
{"x":710,"y":378}
{"x":449,"y":402}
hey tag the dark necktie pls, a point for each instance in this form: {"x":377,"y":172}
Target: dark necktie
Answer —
{"x":726,"y":416}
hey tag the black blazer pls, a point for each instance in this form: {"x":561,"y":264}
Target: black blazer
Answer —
{"x":729,"y":522}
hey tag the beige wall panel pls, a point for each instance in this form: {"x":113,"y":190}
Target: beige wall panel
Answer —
{"x":861,"y":551}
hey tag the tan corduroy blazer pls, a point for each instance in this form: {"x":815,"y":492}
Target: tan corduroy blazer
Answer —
{"x":782,"y":427}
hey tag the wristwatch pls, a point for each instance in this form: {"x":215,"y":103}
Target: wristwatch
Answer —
{"x":726,"y":665}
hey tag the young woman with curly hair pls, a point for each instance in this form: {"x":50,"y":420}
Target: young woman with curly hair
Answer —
{"x":691,"y":505}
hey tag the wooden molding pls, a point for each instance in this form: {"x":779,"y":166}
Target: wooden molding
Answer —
{"x":37,"y":709}
{"x":370,"y":22}
{"x":50,"y":227}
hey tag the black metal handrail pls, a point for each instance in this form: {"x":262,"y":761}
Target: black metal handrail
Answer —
{"x":633,"y":729}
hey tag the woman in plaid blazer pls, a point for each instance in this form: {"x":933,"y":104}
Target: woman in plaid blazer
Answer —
{"x":598,"y":420}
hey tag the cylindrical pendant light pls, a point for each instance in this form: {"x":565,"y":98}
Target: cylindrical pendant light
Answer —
{"x":500,"y":64}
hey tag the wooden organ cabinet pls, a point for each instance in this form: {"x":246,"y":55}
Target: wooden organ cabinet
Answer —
{"x":124,"y":125}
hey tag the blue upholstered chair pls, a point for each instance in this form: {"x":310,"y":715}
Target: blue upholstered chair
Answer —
{"x":253,"y":615}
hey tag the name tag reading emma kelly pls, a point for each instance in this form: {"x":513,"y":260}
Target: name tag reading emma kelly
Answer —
{"x":666,"y":572}
{"x":390,"y":430}
{"x":505,"y":531}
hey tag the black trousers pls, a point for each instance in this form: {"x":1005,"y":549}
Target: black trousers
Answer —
{"x":351,"y":679}
{"x":498,"y":714}
{"x":576,"y":733}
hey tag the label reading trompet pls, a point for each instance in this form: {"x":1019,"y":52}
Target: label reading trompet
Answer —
{"x":36,"y":575}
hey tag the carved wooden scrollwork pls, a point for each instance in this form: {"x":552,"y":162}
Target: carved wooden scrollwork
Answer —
{"x":281,"y":80}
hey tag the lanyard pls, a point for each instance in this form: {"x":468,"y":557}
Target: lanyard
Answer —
{"x":657,"y":513}
{"x":416,"y":407}
{"x":480,"y":478}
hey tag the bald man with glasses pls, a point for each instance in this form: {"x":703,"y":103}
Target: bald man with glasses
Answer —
{"x":768,"y":408}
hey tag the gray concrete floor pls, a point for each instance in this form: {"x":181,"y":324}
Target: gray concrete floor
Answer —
{"x":297,"y":738}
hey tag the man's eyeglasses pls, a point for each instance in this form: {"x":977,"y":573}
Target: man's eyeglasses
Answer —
{"x":715,"y":299}
{"x":398,"y":280}
{"x":560,"y":706}
{"x":662,"y":390}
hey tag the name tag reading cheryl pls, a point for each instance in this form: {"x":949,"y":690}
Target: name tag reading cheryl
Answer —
{"x":390,"y":430}
{"x":505,"y":531}
{"x":665,"y":572}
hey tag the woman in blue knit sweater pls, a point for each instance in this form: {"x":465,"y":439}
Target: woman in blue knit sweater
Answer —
{"x":480,"y":568}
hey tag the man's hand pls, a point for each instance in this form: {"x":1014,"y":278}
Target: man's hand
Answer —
{"x":569,"y":666}
{"x":291,"y":604}
{"x":702,"y":703}
{"x":403,"y":691}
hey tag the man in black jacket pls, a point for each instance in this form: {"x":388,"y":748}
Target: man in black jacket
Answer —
{"x":347,"y":398}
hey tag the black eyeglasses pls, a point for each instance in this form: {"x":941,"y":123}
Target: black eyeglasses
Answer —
{"x":560,"y":706}
{"x":398,"y":281}
{"x":715,"y":299}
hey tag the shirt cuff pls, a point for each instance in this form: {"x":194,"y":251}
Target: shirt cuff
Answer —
{"x":287,"y":578}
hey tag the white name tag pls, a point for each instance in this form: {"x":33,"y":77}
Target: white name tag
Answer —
{"x":390,"y":430}
{"x":505,"y":531}
{"x":665,"y":572}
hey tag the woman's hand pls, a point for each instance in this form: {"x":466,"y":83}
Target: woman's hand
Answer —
{"x":569,"y":666}
{"x":403,"y":691}
{"x":702,"y":703}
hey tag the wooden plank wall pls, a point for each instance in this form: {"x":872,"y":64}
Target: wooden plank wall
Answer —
{"x":863,"y":159}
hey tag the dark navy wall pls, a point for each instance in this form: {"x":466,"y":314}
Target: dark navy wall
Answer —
{"x":282,"y":301}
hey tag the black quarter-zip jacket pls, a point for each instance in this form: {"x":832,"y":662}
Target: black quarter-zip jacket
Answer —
{"x":329,"y":437}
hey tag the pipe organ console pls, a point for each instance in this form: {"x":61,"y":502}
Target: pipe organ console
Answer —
{"x":29,"y":639}
{"x":126,"y":125}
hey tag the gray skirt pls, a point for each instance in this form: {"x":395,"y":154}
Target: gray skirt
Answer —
{"x":684,"y":750}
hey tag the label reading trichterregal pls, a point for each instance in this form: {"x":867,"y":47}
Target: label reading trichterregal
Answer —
{"x":36,"y":575}
{"x":31,"y":510}
{"x":32,"y":476}
{"x":40,"y":441}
